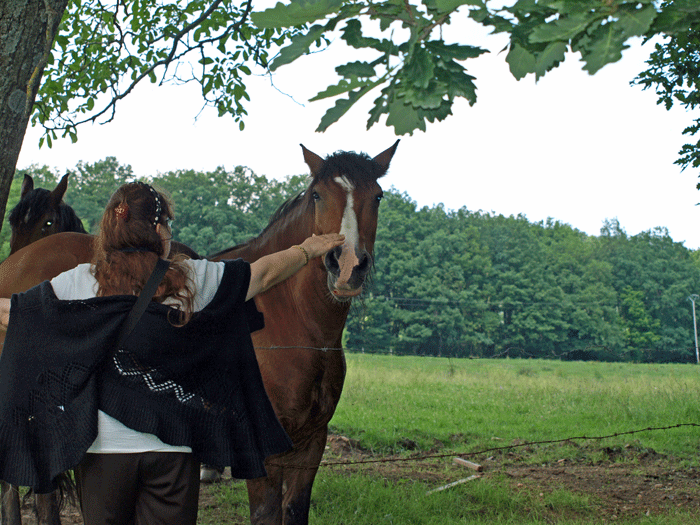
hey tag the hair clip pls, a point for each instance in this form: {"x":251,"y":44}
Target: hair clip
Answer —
{"x":122,"y":211}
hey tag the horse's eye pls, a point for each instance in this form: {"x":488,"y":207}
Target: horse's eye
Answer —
{"x":48,"y":224}
{"x":379,"y":198}
{"x":315,"y":196}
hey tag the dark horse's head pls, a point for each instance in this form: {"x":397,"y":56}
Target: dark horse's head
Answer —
{"x":345,"y":197}
{"x":40,"y":213}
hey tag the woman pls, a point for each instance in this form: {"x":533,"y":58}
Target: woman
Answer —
{"x":135,"y":421}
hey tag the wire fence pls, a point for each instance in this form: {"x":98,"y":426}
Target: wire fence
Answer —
{"x":422,"y":457}
{"x":480,"y":452}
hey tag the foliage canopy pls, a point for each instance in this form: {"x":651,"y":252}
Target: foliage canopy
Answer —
{"x":105,"y":48}
{"x":420,"y":75}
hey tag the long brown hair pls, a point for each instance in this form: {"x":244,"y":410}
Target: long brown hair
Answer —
{"x":128,"y":246}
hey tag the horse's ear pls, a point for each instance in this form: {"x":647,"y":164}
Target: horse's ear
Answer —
{"x":312,"y":160}
{"x":56,"y":195}
{"x":384,"y":158}
{"x":27,"y":185}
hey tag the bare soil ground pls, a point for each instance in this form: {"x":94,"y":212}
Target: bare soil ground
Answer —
{"x":624,"y":485}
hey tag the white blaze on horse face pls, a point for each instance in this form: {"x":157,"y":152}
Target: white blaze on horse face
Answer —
{"x":348,"y":227}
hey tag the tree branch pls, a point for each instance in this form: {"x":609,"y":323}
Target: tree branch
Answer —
{"x":172,"y":56}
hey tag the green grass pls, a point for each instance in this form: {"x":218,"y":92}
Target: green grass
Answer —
{"x":464,"y":406}
{"x":471,"y":404}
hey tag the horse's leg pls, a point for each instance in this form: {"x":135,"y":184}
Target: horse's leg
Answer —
{"x":9,"y":501}
{"x":299,"y":475}
{"x":265,"y":496}
{"x":47,"y":511}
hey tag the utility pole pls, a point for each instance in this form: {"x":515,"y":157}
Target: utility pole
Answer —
{"x":692,"y":298}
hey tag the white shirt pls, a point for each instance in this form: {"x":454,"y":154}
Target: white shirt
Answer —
{"x":79,"y":283}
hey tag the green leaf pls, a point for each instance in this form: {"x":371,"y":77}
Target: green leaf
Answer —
{"x":562,"y":29}
{"x":356,"y":69}
{"x":298,"y":12}
{"x":425,"y":99}
{"x":333,"y":114}
{"x":342,"y":87}
{"x":453,"y":51}
{"x":341,"y":107}
{"x":300,"y":44}
{"x":352,"y":34}
{"x":636,"y":22}
{"x":550,"y":58}
{"x":521,"y":61}
{"x":419,"y":68}
{"x":404,"y":118}
{"x":447,"y":6}
{"x":380,"y":107}
{"x":604,"y":46}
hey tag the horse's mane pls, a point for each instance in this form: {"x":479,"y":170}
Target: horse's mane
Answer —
{"x":360,"y":168}
{"x":35,"y":203}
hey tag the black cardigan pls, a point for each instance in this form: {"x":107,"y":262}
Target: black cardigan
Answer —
{"x":197,"y":386}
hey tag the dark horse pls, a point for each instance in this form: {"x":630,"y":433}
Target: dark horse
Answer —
{"x":40,"y":213}
{"x":299,"y":350}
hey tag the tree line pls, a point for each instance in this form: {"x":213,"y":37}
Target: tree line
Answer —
{"x":455,"y":283}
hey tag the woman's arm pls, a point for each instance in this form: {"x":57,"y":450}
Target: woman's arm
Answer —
{"x":4,"y":313}
{"x":275,"y":268}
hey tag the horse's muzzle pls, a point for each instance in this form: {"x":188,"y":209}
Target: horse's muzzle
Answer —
{"x":347,"y":271}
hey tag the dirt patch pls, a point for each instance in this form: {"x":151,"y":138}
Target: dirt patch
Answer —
{"x":621,"y":484}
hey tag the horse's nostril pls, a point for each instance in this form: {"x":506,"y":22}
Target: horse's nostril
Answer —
{"x":331,"y":262}
{"x":364,"y":265}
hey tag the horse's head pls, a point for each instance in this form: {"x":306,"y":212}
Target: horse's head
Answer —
{"x":345,"y":197}
{"x":40,"y":213}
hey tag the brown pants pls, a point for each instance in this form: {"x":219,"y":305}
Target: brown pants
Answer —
{"x":150,"y":488}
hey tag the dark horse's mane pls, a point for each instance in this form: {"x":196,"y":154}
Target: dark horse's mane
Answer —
{"x":35,"y":203}
{"x":359,"y":167}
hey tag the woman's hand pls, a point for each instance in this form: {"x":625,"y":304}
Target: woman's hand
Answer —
{"x":318,"y":245}
{"x":4,"y":313}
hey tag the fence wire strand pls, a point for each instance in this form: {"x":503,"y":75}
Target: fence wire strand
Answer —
{"x":508,"y":447}
{"x":482,"y":451}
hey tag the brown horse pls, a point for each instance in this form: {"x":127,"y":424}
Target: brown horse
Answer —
{"x":40,"y":213}
{"x":299,"y":350}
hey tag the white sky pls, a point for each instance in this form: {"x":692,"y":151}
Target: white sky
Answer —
{"x":574,"y":147}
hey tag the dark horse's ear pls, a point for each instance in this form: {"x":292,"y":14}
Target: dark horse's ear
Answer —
{"x":56,"y":195}
{"x":27,"y":185}
{"x":384,"y":158}
{"x":312,"y":160}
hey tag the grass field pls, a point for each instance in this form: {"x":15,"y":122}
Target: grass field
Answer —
{"x":468,"y":403}
{"x":408,"y":411}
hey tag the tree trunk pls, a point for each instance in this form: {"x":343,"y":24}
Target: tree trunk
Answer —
{"x":27,"y":32}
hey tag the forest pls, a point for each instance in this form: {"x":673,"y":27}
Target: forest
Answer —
{"x":451,"y":283}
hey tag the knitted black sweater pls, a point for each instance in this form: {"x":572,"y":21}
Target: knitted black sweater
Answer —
{"x":197,"y":386}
